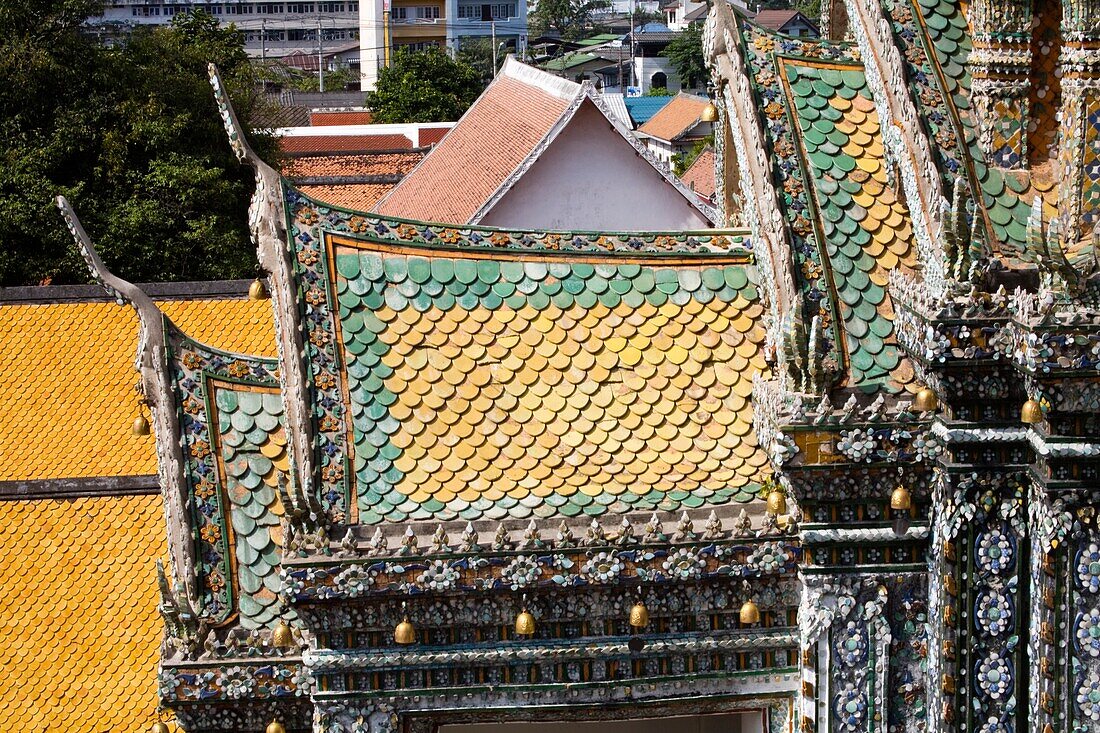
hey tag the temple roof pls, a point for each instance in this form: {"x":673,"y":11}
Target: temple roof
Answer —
{"x":79,"y":609}
{"x":491,"y":374}
{"x":71,"y":364}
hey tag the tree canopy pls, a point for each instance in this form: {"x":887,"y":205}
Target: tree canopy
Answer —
{"x":571,"y":19}
{"x":424,"y":86}
{"x":685,"y":53}
{"x":131,"y":135}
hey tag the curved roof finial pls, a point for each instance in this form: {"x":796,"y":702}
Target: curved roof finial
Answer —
{"x":156,"y":385}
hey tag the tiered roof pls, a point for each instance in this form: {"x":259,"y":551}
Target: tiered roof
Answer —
{"x":67,"y":383}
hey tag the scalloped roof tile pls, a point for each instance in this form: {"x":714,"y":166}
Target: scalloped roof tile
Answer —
{"x":496,"y":388}
{"x":67,"y":381}
{"x":78,"y":613}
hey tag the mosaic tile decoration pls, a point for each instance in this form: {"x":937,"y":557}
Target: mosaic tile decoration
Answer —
{"x":761,"y":49}
{"x":938,"y":41}
{"x":312,"y":224}
{"x":516,"y":386}
{"x":865,"y":227}
{"x":253,"y":450}
{"x":234,"y":450}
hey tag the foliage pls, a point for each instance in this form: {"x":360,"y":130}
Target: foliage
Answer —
{"x":131,"y":135}
{"x":685,"y":53}
{"x":424,"y":86}
{"x":478,"y":54}
{"x":306,"y":81}
{"x":810,"y":8}
{"x":683,"y":161}
{"x":659,"y":92}
{"x":571,"y":19}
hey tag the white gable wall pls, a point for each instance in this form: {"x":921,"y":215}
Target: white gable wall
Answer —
{"x":590,"y":178}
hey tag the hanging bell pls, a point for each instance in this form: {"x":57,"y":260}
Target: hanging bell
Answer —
{"x":282,"y":636}
{"x":160,"y":727}
{"x":926,"y":400}
{"x":777,"y":502}
{"x":639,"y":616}
{"x":140,"y":426}
{"x":525,"y":623}
{"x":275,"y":727}
{"x":709,"y":114}
{"x":258,"y":291}
{"x":750,"y":612}
{"x":1031,"y":413}
{"x":404,"y":633}
{"x":900,"y":500}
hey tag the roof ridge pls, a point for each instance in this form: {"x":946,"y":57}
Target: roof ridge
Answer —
{"x":193,"y":290}
{"x":529,"y":75}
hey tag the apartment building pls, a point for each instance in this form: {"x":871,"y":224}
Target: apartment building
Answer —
{"x":387,"y":25}
{"x":271,"y":28}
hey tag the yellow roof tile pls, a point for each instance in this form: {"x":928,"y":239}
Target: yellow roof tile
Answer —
{"x":78,"y":614}
{"x":67,"y":378}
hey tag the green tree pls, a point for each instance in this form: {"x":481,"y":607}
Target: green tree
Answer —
{"x":131,"y":134}
{"x":571,"y":19}
{"x":685,"y":53}
{"x":424,"y":86}
{"x":478,"y":54}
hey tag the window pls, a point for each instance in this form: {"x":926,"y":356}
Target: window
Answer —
{"x":500,"y":11}
{"x":299,"y":8}
{"x":330,"y":7}
{"x":419,"y":46}
{"x":418,"y":12}
{"x":353,"y":7}
{"x":269,"y":8}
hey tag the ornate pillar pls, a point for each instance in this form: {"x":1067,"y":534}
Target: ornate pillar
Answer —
{"x":1079,"y":153}
{"x":1000,"y":65}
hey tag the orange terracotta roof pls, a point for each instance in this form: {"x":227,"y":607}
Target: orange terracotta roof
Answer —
{"x":676,"y":118}
{"x":495,"y":135}
{"x":432,"y":135}
{"x":700,"y":175}
{"x":78,"y":614}
{"x":319,"y":118}
{"x":365,"y":164}
{"x":292,"y":144}
{"x":67,"y":381}
{"x":357,"y":196}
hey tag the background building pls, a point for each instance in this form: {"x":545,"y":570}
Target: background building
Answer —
{"x":271,"y":29}
{"x":419,"y":24}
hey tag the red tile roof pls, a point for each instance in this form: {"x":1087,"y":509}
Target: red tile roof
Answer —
{"x":364,"y":164}
{"x":495,"y":135}
{"x":319,"y":118}
{"x":432,"y":135}
{"x":700,"y":175}
{"x":357,"y":196}
{"x":776,"y":19}
{"x":676,"y":118}
{"x":342,"y":143}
